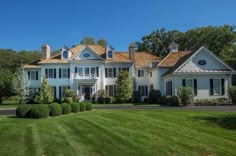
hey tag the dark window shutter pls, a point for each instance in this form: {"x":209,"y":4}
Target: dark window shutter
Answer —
{"x":171,"y":88}
{"x":105,"y":72}
{"x":55,"y":73}
{"x":195,"y":86}
{"x":68,"y":72}
{"x":211,"y":86}
{"x":138,"y":73}
{"x":46,"y":73}
{"x":37,"y":75}
{"x":183,"y":83}
{"x":119,"y":69}
{"x":97,"y":70}
{"x":146,"y":90}
{"x":55,"y":91}
{"x":222,"y":86}
{"x":59,"y":72}
{"x":139,"y":90}
{"x":75,"y":69}
{"x":106,"y":89}
{"x":68,"y":87}
{"x":60,"y":92}
{"x":128,"y":69}
{"x":114,"y":72}
{"x":28,"y":74}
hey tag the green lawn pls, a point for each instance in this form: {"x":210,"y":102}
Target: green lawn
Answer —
{"x":121,"y":133}
{"x":9,"y":104}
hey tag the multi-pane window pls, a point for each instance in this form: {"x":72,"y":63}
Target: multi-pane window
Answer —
{"x":93,"y":70}
{"x":33,"y":75}
{"x":124,"y":68}
{"x":86,"y":71}
{"x":110,"y":89}
{"x":143,"y":90}
{"x":140,"y":73}
{"x":50,"y":73}
{"x":216,"y":87}
{"x":168,"y":87}
{"x":189,"y":83}
{"x":64,"y":73}
{"x":81,"y":71}
{"x":109,"y":72}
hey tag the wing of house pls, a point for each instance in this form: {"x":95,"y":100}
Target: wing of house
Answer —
{"x":208,"y":76}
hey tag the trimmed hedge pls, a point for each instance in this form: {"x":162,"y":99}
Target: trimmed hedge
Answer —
{"x":68,"y":100}
{"x":154,"y":96}
{"x":82,"y":106}
{"x":89,"y":106}
{"x":55,"y":109}
{"x":66,"y":108}
{"x":75,"y":107}
{"x":22,"y":111}
{"x":39,"y":111}
{"x":172,"y":101}
{"x":232,"y":94}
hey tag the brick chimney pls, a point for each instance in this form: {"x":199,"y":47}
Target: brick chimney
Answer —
{"x":131,"y":52}
{"x":45,"y":51}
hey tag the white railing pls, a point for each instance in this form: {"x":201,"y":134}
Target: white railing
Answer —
{"x":85,"y":76}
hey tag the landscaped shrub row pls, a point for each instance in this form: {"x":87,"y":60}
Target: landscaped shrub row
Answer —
{"x":40,"y":111}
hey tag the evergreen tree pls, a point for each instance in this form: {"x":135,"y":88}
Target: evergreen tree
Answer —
{"x":45,"y":94}
{"x":123,"y":86}
{"x":6,"y":78}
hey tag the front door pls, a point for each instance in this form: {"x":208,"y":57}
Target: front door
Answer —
{"x":87,"y":93}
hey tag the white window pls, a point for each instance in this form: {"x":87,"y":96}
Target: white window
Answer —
{"x":189,"y":83}
{"x":109,"y":72}
{"x":86,"y":71}
{"x":64,"y":73}
{"x":32,"y":75}
{"x":143,"y":90}
{"x":109,"y":54}
{"x":93,"y":70}
{"x":50,"y":73}
{"x":110,"y":89}
{"x":216,"y":87}
{"x":140,"y":73}
{"x":81,"y":71}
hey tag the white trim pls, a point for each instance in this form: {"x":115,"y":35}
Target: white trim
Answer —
{"x":78,"y":53}
{"x":195,"y":53}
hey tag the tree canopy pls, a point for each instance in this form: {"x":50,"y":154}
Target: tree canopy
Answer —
{"x":218,"y":39}
{"x":91,"y":40}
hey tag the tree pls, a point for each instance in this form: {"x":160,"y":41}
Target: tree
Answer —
{"x":6,"y":78}
{"x":123,"y":86}
{"x":102,"y":42}
{"x":215,"y":38}
{"x":45,"y":94}
{"x":87,"y":41}
{"x":21,"y":85}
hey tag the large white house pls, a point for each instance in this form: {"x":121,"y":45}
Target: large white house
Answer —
{"x":89,"y":68}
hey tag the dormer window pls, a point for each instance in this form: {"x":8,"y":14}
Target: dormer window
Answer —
{"x":109,"y":52}
{"x":65,"y":54}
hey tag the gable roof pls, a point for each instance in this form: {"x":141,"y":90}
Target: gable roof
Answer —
{"x":182,"y":60}
{"x":142,"y":59}
{"x":172,"y":58}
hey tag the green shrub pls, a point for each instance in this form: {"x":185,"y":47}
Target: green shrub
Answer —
{"x":210,"y":102}
{"x":22,"y":111}
{"x":185,"y":95}
{"x":172,"y":101}
{"x":89,"y":106}
{"x":70,"y":93}
{"x":55,"y":109}
{"x":39,"y":111}
{"x":232,"y":94}
{"x":75,"y":107}
{"x":12,"y":98}
{"x":136,"y":97}
{"x":68,"y":100}
{"x":154,"y":96}
{"x":82,"y":106}
{"x":102,"y":93}
{"x":66,"y":108}
{"x":163,"y":100}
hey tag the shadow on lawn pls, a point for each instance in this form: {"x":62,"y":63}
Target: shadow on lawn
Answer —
{"x":227,"y":122}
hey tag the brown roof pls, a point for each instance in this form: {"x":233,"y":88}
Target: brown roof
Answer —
{"x":179,"y":62}
{"x":32,"y":64}
{"x":172,"y":58}
{"x":99,"y":50}
{"x":142,"y":59}
{"x":54,"y":59}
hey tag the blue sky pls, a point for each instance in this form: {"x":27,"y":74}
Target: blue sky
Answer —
{"x":26,"y":24}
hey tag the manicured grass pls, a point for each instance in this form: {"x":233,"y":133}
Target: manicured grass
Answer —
{"x":123,"y":132}
{"x":9,"y":104}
